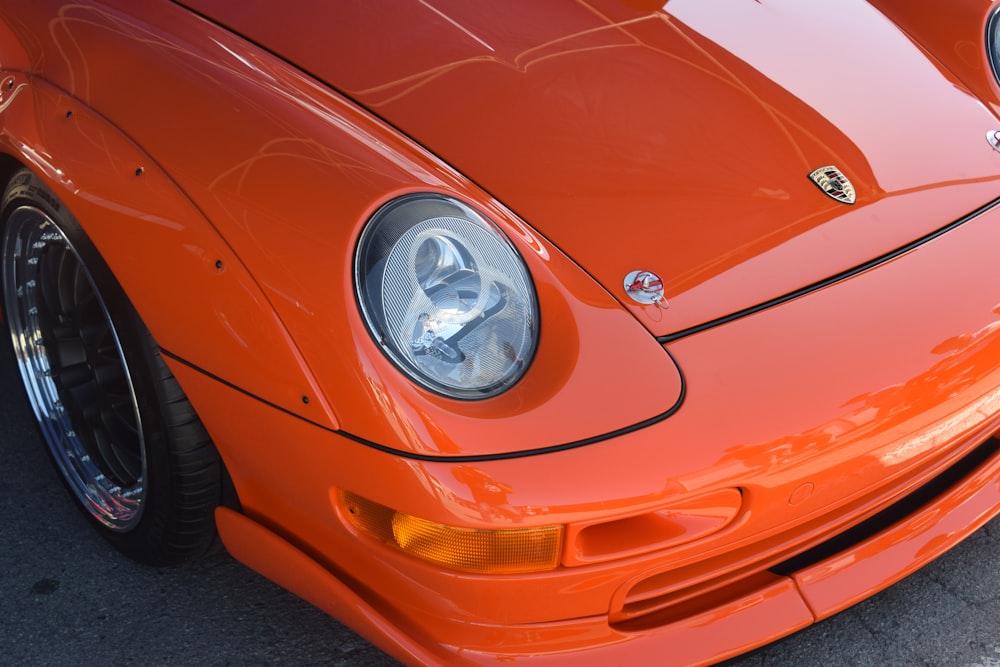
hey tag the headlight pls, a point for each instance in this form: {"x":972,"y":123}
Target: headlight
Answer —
{"x":445,"y":294}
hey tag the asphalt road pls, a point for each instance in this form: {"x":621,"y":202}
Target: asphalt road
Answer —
{"x":67,"y":598}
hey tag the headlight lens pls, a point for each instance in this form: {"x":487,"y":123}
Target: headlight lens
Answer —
{"x":446,"y":295}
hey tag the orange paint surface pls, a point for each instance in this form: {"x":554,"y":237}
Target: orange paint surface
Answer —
{"x":704,"y":478}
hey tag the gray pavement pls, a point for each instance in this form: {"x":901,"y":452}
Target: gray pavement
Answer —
{"x":67,"y":598}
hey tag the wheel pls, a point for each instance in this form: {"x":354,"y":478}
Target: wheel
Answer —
{"x":123,"y":436}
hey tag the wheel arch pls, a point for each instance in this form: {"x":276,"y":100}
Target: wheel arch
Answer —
{"x":192,"y":291}
{"x":9,"y":166}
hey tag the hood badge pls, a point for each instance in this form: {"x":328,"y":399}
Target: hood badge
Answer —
{"x":645,"y":287}
{"x":833,"y":182}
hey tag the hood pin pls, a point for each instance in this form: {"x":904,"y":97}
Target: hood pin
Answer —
{"x":645,"y":287}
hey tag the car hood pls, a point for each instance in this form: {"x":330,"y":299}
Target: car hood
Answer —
{"x":676,"y":139}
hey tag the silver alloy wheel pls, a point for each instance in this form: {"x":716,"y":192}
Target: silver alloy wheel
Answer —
{"x":74,"y":370}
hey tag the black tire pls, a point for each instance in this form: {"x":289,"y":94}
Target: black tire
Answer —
{"x":125,"y":439}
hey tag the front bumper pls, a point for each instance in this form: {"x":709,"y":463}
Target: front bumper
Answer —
{"x":763,"y":612}
{"x":828,"y":412}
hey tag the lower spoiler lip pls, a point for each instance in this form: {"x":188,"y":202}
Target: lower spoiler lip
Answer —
{"x":273,"y":557}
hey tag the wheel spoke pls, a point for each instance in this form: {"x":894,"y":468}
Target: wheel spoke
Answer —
{"x":121,"y":465}
{"x":65,"y":349}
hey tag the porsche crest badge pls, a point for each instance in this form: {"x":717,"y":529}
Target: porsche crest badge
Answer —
{"x":831,"y":181}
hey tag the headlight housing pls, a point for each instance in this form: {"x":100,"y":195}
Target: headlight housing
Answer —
{"x":446,"y":295}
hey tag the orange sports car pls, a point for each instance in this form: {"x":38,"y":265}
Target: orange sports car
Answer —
{"x":577,"y":331}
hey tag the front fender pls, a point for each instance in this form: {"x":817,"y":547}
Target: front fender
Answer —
{"x":195,"y":296}
{"x":288,"y":171}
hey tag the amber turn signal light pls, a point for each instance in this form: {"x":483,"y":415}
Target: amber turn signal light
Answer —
{"x":484,"y":551}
